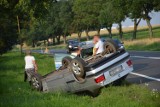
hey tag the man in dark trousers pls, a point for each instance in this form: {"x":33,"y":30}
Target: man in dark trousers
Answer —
{"x":30,"y":65}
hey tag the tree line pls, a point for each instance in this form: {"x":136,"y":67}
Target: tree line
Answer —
{"x":31,"y":21}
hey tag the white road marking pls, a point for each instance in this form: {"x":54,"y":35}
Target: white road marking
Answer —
{"x":145,"y":76}
{"x":146,"y":57}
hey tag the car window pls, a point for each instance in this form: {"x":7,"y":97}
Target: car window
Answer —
{"x":58,"y":59}
{"x":59,"y":56}
{"x":87,"y":52}
{"x":73,"y":42}
{"x":76,"y":42}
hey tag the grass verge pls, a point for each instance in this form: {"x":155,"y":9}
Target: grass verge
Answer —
{"x":143,"y":44}
{"x":16,"y":93}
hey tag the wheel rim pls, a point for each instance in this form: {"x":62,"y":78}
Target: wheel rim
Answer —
{"x":35,"y":83}
{"x":76,"y":68}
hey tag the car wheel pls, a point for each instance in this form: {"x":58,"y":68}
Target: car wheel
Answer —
{"x":110,"y":47}
{"x":66,"y":61}
{"x":78,"y":67}
{"x":36,"y":82}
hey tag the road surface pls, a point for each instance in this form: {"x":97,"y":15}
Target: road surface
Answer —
{"x":146,"y":68}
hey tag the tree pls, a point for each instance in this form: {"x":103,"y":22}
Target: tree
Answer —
{"x":77,"y":27}
{"x":22,"y":23}
{"x":36,"y":32}
{"x":134,"y":13}
{"x":118,"y":9}
{"x":87,"y":12}
{"x":31,"y":14}
{"x":147,"y":6}
{"x":65,"y":17}
{"x":53,"y":23}
{"x":156,"y":5}
{"x":8,"y":28}
{"x":106,"y":17}
{"x":142,"y":8}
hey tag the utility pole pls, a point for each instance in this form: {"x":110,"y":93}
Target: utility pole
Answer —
{"x":19,"y":31}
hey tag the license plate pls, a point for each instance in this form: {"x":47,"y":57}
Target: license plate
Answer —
{"x":116,"y":70}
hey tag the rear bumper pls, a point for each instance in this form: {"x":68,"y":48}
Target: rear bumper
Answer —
{"x":105,"y":69}
{"x":109,"y":79}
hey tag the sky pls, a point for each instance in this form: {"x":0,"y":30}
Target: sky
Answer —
{"x":154,"y":21}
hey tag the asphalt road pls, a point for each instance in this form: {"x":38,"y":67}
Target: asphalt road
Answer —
{"x":146,"y":68}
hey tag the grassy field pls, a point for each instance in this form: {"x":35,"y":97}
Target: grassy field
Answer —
{"x":142,"y":30}
{"x":16,"y":93}
{"x":143,"y":42}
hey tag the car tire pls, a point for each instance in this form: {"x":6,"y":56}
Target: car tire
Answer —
{"x":110,"y":47}
{"x":66,"y":61}
{"x":78,"y":67}
{"x":36,"y":82}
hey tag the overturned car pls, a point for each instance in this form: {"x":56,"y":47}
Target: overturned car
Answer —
{"x":86,"y":72}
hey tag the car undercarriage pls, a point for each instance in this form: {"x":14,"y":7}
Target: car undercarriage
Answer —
{"x":86,"y":74}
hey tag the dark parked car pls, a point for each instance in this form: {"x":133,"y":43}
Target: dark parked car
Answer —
{"x":72,"y":45}
{"x":87,"y":72}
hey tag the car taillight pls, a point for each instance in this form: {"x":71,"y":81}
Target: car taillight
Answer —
{"x":100,"y":79}
{"x":129,"y":62}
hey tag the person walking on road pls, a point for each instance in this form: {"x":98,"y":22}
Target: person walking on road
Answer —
{"x":46,"y":51}
{"x":30,"y":65}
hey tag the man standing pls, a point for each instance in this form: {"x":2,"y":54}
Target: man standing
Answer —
{"x":30,"y":65}
{"x":98,"y":47}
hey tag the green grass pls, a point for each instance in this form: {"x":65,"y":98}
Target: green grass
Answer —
{"x":16,"y":93}
{"x":150,"y":47}
{"x":141,"y":34}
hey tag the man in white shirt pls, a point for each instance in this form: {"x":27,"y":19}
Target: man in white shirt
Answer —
{"x":98,"y":47}
{"x":30,"y":65}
